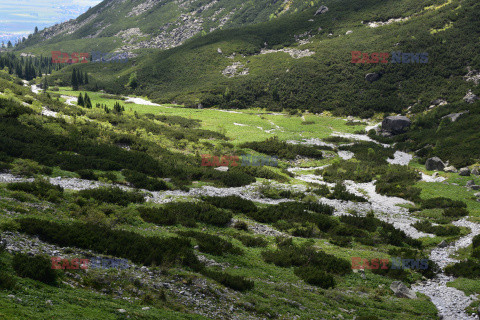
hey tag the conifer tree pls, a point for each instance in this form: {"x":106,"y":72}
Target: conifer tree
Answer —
{"x":80,"y":101}
{"x":74,"y":80}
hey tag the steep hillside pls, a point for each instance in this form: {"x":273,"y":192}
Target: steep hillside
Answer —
{"x":128,"y":25}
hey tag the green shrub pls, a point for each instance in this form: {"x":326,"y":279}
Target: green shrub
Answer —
{"x":126,"y":244}
{"x":443,"y":203}
{"x":87,"y":174}
{"x":476,"y":241}
{"x":113,"y":195}
{"x":23,"y":196}
{"x":36,"y":268}
{"x":441,"y":231}
{"x":251,"y":241}
{"x":238,"y":283}
{"x":455,"y":212}
{"x":288,"y":254}
{"x":40,"y":188}
{"x":7,"y":282}
{"x":212,"y":244}
{"x":9,"y":225}
{"x":468,"y":269}
{"x":186,"y":213}
{"x":234,"y":203}
{"x":316,"y":277}
{"x":236,"y":178}
{"x":141,"y":180}
{"x":26,"y":167}
{"x":274,"y":147}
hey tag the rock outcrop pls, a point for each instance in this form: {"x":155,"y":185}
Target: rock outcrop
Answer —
{"x":400,"y":290}
{"x":434,"y":163}
{"x":396,"y":124}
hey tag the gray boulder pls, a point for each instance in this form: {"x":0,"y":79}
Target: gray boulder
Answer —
{"x":443,"y":244}
{"x":475,"y":187}
{"x":400,"y":290}
{"x":477,"y":194}
{"x":475,"y":171}
{"x":454,"y":116}
{"x":371,"y":77}
{"x":470,"y":183}
{"x":464,"y":172}
{"x":396,"y":124}
{"x":321,"y":10}
{"x":450,"y":169}
{"x":470,"y":97}
{"x":434,"y":163}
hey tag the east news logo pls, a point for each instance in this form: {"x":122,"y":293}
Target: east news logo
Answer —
{"x":381,"y":57}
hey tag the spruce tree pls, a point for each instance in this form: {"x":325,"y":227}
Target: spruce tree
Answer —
{"x":80,"y":101}
{"x":45,"y":84}
{"x":74,"y":80}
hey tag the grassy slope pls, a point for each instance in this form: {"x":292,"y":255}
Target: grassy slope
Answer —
{"x":354,"y":294}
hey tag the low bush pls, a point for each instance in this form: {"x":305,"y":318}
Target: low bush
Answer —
{"x":288,"y":254}
{"x":142,"y":181}
{"x":185,"y":213}
{"x":7,"y":282}
{"x":121,"y":243}
{"x":113,"y":195}
{"x":36,"y":268}
{"x":238,"y":283}
{"x":40,"y":188}
{"x":27,"y":167}
{"x":443,"y":203}
{"x":212,"y":244}
{"x":316,"y":277}
{"x":441,"y":231}
{"x":236,"y":178}
{"x":468,"y":269}
{"x":234,"y":203}
{"x":251,"y":241}
{"x":275,"y":147}
{"x":455,"y":212}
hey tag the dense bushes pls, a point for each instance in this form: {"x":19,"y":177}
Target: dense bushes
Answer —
{"x":251,"y":241}
{"x":455,"y":212}
{"x":212,"y":244}
{"x":125,"y":244}
{"x":281,"y":149}
{"x":339,"y":192}
{"x":441,"y":231}
{"x":312,"y":266}
{"x":468,"y":269}
{"x":238,"y":283}
{"x":316,"y":277}
{"x":289,"y":254}
{"x":236,"y":178}
{"x":142,"y":181}
{"x":234,"y":203}
{"x":398,"y":181}
{"x":186,"y":213}
{"x":36,"y":268}
{"x":300,"y":217}
{"x":442,"y":202}
{"x":40,"y":188}
{"x":113,"y":195}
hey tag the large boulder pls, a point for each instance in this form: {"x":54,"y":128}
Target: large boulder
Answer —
{"x":450,"y":169}
{"x":400,"y":290}
{"x":465,"y":172}
{"x":434,"y":163}
{"x":470,"y":97}
{"x":321,"y":10}
{"x":396,"y":124}
{"x":476,"y":171}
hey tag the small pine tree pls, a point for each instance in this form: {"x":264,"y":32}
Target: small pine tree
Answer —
{"x":80,"y":100}
{"x":74,"y":80}
{"x":9,"y":44}
{"x":86,"y":78}
{"x":45,"y":84}
{"x":36,"y":30}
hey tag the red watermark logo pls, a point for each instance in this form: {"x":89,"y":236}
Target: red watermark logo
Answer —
{"x":209,"y":160}
{"x":62,"y":57}
{"x":381,"y":57}
{"x":95,"y":263}
{"x":397,"y":263}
